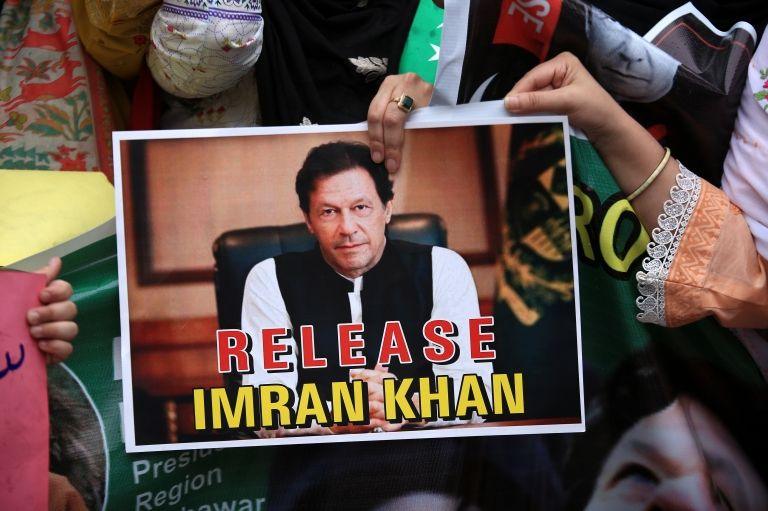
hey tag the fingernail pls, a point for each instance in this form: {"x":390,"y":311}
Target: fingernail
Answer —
{"x":43,"y":345}
{"x":36,"y":331}
{"x":33,"y":317}
{"x":512,"y":102}
{"x":376,"y":156}
{"x":45,"y":295}
{"x":391,"y":165}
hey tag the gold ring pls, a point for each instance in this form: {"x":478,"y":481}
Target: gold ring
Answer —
{"x":404,"y":102}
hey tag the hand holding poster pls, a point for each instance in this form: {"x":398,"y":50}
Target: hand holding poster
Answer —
{"x":682,"y":403}
{"x":356,"y":322}
{"x":682,"y":80}
{"x":23,"y":397}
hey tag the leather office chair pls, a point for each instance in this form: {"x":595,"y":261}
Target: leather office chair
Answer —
{"x":236,"y":252}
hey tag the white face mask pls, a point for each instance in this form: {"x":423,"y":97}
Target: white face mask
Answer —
{"x":199,"y":49}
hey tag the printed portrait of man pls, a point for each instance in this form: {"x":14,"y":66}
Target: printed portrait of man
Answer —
{"x":628,"y":66}
{"x":668,"y":430}
{"x":77,"y":455}
{"x":357,"y":274}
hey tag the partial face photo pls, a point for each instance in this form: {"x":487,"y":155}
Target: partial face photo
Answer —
{"x":658,"y":464}
{"x":629,"y":67}
{"x":348,"y":218}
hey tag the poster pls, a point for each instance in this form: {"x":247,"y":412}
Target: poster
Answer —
{"x":633,"y":373}
{"x":680,"y":392}
{"x":24,"y":421}
{"x":86,"y":406}
{"x":343,"y":317}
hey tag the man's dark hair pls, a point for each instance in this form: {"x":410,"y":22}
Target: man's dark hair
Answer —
{"x":76,"y":441}
{"x":329,"y":159}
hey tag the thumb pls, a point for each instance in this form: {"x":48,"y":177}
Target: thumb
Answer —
{"x":51,"y":270}
{"x":555,"y":101}
{"x":381,"y":368}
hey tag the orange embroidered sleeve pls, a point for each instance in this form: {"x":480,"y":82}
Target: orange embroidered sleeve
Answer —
{"x":703,"y":261}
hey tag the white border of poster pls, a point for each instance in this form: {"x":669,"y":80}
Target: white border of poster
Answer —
{"x":489,"y":113}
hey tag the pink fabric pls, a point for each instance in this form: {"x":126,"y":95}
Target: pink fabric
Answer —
{"x":24,"y":425}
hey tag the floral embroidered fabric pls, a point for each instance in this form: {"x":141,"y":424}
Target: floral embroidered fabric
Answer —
{"x":745,"y":179}
{"x":761,"y":95}
{"x":663,"y":247}
{"x":53,"y":108}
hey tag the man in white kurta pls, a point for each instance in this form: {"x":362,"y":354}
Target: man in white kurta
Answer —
{"x":356,"y":274}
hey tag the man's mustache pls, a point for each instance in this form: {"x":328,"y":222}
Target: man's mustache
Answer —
{"x":350,"y":243}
